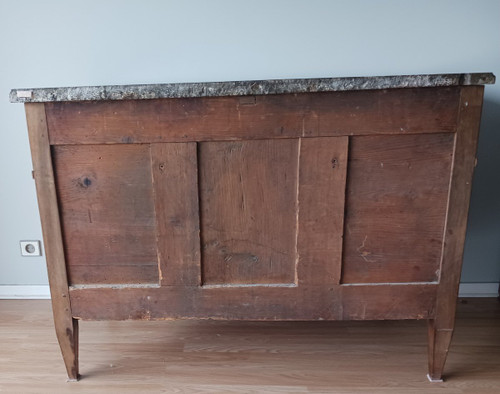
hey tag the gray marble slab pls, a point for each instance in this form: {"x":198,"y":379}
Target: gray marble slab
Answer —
{"x":244,"y":88}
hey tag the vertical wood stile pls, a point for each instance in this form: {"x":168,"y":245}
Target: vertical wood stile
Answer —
{"x":441,"y":328}
{"x":66,"y":327}
{"x":322,"y":181}
{"x":175,"y":185}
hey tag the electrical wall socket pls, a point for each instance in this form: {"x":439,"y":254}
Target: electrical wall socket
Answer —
{"x":30,"y":248}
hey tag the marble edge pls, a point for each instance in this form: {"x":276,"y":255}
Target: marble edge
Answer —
{"x":244,"y":88}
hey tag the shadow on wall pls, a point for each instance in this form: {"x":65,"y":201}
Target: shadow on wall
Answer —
{"x":482,"y":247}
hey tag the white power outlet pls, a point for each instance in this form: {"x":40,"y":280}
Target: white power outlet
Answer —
{"x":30,"y":248}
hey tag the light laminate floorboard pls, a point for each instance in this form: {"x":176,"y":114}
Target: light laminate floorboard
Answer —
{"x":247,"y":357}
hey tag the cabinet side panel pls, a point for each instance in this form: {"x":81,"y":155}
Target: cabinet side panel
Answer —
{"x":248,"y":196}
{"x":107,"y":212}
{"x":397,"y":192}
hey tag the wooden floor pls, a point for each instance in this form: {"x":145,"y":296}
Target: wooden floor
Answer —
{"x":247,"y":357}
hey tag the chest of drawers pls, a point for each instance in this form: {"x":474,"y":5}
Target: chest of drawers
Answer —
{"x":326,"y":199}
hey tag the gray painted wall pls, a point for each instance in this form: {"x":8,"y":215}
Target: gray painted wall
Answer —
{"x":92,"y":42}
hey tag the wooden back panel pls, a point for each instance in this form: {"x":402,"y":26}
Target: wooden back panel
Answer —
{"x":141,"y":213}
{"x":285,"y":206}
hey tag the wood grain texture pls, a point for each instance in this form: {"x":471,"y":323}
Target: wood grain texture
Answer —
{"x":232,"y":207}
{"x":220,"y":303}
{"x":388,"y":301}
{"x":66,"y":327}
{"x":175,"y":183}
{"x":108,"y":218}
{"x":439,"y":341}
{"x":222,"y":357}
{"x":397,"y":192}
{"x":248,"y":199}
{"x":322,"y":179}
{"x":409,"y":301}
{"x":464,"y":159}
{"x":393,"y":111}
{"x":101,"y":274}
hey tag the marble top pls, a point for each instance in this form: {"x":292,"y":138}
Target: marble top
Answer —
{"x":244,"y":88}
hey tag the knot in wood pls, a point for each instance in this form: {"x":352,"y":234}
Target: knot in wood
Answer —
{"x":84,"y":182}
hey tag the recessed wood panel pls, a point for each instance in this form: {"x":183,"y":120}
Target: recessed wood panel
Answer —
{"x":107,"y":213}
{"x":248,"y":198}
{"x":397,"y":192}
{"x":273,"y":116}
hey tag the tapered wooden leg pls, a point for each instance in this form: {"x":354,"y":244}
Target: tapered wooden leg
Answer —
{"x":441,"y":328}
{"x":66,"y":326}
{"x":67,"y":335}
{"x":439,"y":343}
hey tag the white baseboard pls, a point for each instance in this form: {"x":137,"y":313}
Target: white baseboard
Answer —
{"x":42,"y":292}
{"x":478,"y":290}
{"x":29,"y":292}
